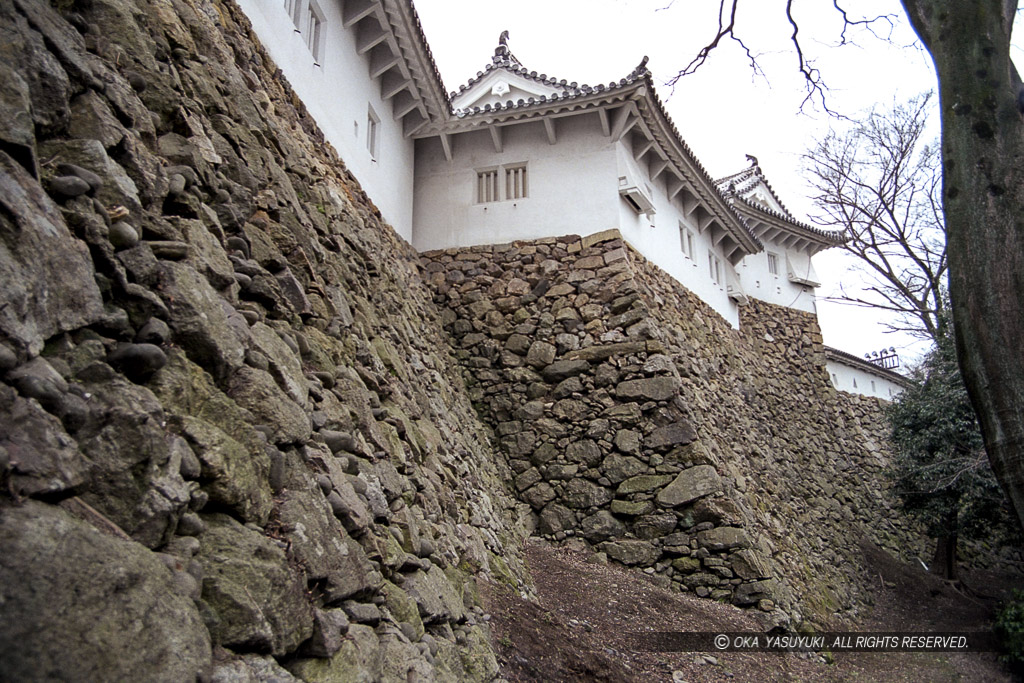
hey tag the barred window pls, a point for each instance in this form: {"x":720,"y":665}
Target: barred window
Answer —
{"x":487,"y":186}
{"x":515,"y":182}
{"x":501,"y":183}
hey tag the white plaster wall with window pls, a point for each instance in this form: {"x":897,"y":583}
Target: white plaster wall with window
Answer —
{"x":332,"y":79}
{"x":756,"y":275}
{"x":572,"y":188}
{"x":569,"y":187}
{"x":657,"y":237}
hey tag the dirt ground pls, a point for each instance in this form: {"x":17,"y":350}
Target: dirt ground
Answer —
{"x":579,"y":628}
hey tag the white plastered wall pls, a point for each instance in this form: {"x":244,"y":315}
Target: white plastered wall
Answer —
{"x":760,"y":283}
{"x":338,"y":92}
{"x":856,"y":380}
{"x":571,"y":186}
{"x":573,"y":189}
{"x":657,"y":238}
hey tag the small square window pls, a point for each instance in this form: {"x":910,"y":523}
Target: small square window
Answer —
{"x":773,"y":263}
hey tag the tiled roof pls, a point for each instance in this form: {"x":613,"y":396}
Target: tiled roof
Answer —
{"x":503,"y":59}
{"x":425,"y":46}
{"x":690,"y":156}
{"x":747,"y":179}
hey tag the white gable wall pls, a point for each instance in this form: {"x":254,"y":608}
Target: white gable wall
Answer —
{"x":482,"y":93}
{"x":338,"y":92}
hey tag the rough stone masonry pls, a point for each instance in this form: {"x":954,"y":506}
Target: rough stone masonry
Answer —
{"x":718,"y":461}
{"x":234,"y":444}
{"x":248,"y":434}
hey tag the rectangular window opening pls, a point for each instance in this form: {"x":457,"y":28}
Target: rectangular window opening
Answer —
{"x":487,"y":186}
{"x":515,"y":182}
{"x":715,"y":268}
{"x":686,"y":241}
{"x":315,"y":34}
{"x":294,"y":10}
{"x":372,"y":131}
{"x":502,"y":183}
{"x":773,"y":263}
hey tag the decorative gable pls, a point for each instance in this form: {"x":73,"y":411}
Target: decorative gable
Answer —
{"x":764,"y":213}
{"x":502,"y":85}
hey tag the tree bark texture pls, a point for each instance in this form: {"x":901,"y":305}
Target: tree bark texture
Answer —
{"x":983,"y":196}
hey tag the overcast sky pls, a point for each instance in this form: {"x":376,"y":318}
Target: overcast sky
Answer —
{"x":724,"y":111}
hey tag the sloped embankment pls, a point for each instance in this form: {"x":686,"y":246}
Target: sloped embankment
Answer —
{"x":233,"y":437}
{"x":719,"y":461}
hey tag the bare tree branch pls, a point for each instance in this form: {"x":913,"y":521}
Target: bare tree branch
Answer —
{"x":817,"y":89}
{"x":724,"y":31}
{"x":882,"y":185}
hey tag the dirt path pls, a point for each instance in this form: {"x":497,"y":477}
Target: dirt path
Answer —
{"x":579,"y":629}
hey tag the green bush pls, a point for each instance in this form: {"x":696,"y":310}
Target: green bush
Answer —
{"x":1009,"y":628}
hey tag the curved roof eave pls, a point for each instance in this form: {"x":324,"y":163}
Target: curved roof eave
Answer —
{"x":417,"y":56}
{"x":827,"y":238}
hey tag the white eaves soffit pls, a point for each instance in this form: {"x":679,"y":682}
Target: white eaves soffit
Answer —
{"x":389,"y":34}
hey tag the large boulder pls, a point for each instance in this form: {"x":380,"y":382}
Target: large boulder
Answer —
{"x":358,"y":660}
{"x":435,"y":596}
{"x":135,"y":475}
{"x":76,"y":604}
{"x":690,"y":485}
{"x":43,"y":459}
{"x":631,"y":552}
{"x":257,"y":601}
{"x":659,"y":388}
{"x":676,"y":434}
{"x":582,"y":493}
{"x":35,"y":248}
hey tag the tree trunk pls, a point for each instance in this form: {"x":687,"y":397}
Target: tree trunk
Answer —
{"x":945,"y":558}
{"x":983,"y":197}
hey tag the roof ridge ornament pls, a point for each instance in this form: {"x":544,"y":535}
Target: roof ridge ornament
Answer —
{"x":641,"y":68}
{"x":502,"y":55}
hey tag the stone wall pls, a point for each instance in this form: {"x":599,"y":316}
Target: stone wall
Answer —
{"x":233,"y":436}
{"x":720,"y":460}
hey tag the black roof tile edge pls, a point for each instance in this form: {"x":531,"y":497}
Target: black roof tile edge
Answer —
{"x":850,"y":359}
